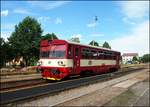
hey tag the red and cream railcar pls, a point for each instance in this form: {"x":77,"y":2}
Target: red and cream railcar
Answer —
{"x":60,"y":58}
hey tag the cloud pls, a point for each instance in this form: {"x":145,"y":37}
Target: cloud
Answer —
{"x":7,"y":26}
{"x":21,"y":11}
{"x":134,"y":9}
{"x":43,"y":18}
{"x":126,"y":20}
{"x":58,"y":21}
{"x":77,"y":36}
{"x":49,"y":20}
{"x":4,"y":13}
{"x":97,"y":35}
{"x":5,"y":35}
{"x":93,"y":24}
{"x":48,"y":5}
{"x":136,"y":41}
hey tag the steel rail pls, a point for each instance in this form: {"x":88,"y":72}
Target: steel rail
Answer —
{"x":16,"y":84}
{"x":17,"y":73}
{"x":19,"y":95}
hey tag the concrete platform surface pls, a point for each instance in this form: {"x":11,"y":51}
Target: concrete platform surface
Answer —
{"x":136,"y":95}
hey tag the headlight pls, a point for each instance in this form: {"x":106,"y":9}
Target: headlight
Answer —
{"x":61,"y":63}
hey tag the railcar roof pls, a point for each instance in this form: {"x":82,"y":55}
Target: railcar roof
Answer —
{"x":91,"y":46}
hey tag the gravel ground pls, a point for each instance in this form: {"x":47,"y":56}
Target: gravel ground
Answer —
{"x":105,"y":95}
{"x":67,"y":97}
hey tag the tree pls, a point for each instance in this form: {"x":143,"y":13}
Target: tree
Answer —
{"x":75,"y":39}
{"x":2,"y":53}
{"x":145,"y":58}
{"x":140,"y":59}
{"x":49,"y":36}
{"x":94,"y":43}
{"x":106,"y":45}
{"x":25,"y":39}
{"x":6,"y":53}
{"x":134,"y":58}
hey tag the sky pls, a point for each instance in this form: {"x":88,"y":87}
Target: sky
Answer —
{"x":123,"y":24}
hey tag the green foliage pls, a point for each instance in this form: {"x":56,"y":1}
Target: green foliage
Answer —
{"x":140,"y":59}
{"x":94,"y":43}
{"x":25,"y":39}
{"x":6,"y":53}
{"x":2,"y":52}
{"x":134,"y":58}
{"x":33,"y":61}
{"x":75,"y":39}
{"x":49,"y":36}
{"x":145,"y":58}
{"x":106,"y":45}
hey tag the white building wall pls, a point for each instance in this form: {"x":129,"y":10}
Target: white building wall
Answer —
{"x":126,"y":59}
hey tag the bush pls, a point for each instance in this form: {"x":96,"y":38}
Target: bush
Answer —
{"x":33,"y":61}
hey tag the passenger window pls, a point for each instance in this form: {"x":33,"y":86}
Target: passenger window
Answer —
{"x":85,"y":53}
{"x":93,"y":54}
{"x":100,"y":54}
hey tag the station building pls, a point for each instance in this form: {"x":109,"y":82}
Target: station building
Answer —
{"x":128,"y":57}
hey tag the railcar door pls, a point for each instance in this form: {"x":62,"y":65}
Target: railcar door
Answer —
{"x":117,"y":59}
{"x":76,"y":60}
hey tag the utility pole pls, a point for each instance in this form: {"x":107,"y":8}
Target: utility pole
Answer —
{"x":96,"y":19}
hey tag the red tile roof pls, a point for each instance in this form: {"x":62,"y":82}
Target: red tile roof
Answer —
{"x":130,"y":54}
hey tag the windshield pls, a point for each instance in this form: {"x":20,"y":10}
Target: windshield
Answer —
{"x":54,"y":51}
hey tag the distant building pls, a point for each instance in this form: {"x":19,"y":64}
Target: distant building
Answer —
{"x":127,"y":57}
{"x":18,"y":61}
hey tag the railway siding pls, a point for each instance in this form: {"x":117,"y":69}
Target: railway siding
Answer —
{"x":18,"y":76}
{"x":16,"y":82}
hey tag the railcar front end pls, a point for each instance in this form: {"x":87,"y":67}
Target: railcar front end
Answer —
{"x":53,"y":62}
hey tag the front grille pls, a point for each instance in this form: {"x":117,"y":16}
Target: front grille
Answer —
{"x":55,"y":71}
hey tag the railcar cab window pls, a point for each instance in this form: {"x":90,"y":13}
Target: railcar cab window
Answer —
{"x":44,"y":54}
{"x":55,"y":51}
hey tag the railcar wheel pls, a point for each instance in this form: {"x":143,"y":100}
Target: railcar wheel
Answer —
{"x":86,"y":73}
{"x":112,"y":69}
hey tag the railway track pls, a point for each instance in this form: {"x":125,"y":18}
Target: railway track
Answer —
{"x":17,"y":84}
{"x":16,"y":73}
{"x":13,"y":85}
{"x":23,"y":94}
